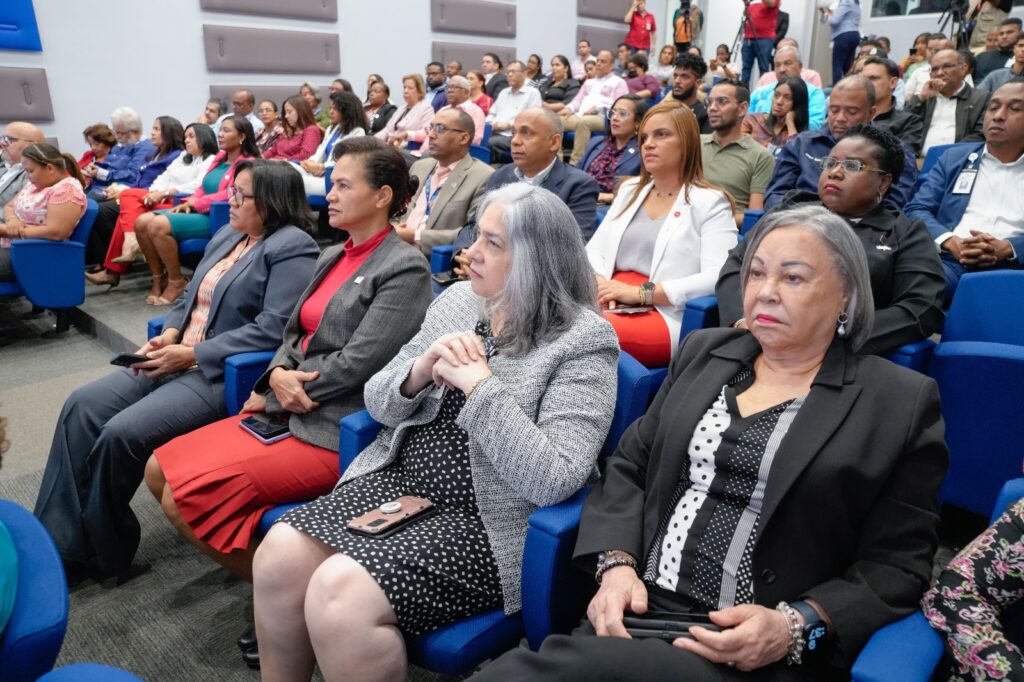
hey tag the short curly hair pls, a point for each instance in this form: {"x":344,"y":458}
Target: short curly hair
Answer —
{"x":692,"y":63}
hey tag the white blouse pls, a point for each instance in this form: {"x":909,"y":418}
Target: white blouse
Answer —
{"x":181,"y":176}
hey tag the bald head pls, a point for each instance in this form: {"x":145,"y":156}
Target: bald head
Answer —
{"x":536,"y":139}
{"x":19,"y":135}
{"x":852,"y":101}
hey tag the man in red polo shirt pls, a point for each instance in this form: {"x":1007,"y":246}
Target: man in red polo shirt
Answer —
{"x":759,"y":36}
{"x":642,"y":29}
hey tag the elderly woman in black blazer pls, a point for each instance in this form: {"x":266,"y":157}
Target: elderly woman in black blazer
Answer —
{"x":239,"y":300}
{"x":780,"y":483}
{"x":907,"y":282}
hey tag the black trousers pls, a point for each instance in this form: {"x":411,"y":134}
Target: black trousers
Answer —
{"x":102,"y":231}
{"x":501,"y":148}
{"x":104,"y":436}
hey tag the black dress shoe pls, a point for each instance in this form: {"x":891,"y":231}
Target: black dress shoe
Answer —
{"x":251,"y":656}
{"x":248,"y":638}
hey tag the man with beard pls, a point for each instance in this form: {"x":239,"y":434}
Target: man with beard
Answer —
{"x":686,"y":77}
{"x":732,"y":160}
{"x":436,"y":84}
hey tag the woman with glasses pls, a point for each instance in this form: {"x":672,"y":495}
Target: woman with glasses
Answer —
{"x":49,"y":205}
{"x":616,"y":155}
{"x":301,"y":134}
{"x":788,"y":116}
{"x":272,"y":127}
{"x":415,"y":114}
{"x":665,"y":237}
{"x":907,"y":282}
{"x":244,"y":289}
{"x":159,"y":233}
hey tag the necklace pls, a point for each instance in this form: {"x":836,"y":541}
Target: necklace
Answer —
{"x":663,"y":194}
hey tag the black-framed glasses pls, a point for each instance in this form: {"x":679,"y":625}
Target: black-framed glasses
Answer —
{"x":235,"y":192}
{"x":441,"y":129}
{"x":848,"y":165}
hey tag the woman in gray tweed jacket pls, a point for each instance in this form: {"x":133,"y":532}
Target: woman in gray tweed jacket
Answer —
{"x":488,"y":424}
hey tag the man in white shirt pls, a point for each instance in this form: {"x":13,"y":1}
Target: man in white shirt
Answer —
{"x":579,"y":65}
{"x":923,"y":73}
{"x":517,"y":97}
{"x":586,"y":112}
{"x":242,"y":104}
{"x":951,"y":110}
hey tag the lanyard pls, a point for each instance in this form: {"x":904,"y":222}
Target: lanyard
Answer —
{"x":430,"y":197}
{"x":330,"y":145}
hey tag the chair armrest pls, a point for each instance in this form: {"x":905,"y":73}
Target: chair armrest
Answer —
{"x":907,"y":650}
{"x":441,"y":258}
{"x":155,"y":326}
{"x":218,"y":216}
{"x":1012,"y":491}
{"x":357,"y":431}
{"x":481,"y":152}
{"x":554,"y":592}
{"x":241,"y":372}
{"x":699,"y":313}
{"x":50,"y":272}
{"x":178,"y":198}
{"x":488,"y":131}
{"x":913,"y":356}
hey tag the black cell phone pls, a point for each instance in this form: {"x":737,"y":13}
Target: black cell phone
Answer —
{"x":266,"y":429}
{"x":666,"y":625}
{"x":913,"y":51}
{"x":445,"y":278}
{"x":127,"y":359}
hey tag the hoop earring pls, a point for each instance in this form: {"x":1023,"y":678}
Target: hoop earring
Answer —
{"x":841,"y":321}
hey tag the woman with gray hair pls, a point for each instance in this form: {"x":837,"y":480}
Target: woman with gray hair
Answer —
{"x":781,"y":489}
{"x":125,"y":161}
{"x":498,"y":405}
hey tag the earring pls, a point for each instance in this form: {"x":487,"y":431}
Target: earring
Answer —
{"x":842,"y":320}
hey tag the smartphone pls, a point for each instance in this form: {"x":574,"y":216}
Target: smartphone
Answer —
{"x":393,"y":516}
{"x":266,"y":429}
{"x":630,"y":311}
{"x":444,"y":278}
{"x":666,"y":625}
{"x":127,"y":359}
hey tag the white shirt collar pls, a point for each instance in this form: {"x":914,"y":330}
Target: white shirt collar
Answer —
{"x":537,"y":179}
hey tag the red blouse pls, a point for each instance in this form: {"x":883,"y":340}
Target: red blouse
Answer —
{"x":313,"y":308}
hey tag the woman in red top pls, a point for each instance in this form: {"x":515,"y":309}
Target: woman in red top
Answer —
{"x":301,"y":133}
{"x":367,"y":299}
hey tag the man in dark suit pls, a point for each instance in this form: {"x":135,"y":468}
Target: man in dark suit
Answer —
{"x":496,"y":81}
{"x":536,"y":142}
{"x":952,"y":111}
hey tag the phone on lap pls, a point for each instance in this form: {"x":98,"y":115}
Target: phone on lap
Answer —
{"x":391,"y":517}
{"x":127,"y":359}
{"x":267,"y":429}
{"x":666,"y":625}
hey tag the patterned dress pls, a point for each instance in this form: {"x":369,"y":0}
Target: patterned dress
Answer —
{"x":436,"y":570}
{"x":968,"y":597}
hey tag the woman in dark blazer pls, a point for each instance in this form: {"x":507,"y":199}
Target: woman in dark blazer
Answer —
{"x":367,"y":298}
{"x":617,"y":154}
{"x":239,"y":300}
{"x":907,"y":282}
{"x":780,"y":482}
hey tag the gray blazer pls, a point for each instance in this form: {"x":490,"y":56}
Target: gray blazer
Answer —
{"x":365,"y":323}
{"x":251,"y":302}
{"x":11,"y":182}
{"x":535,"y":430}
{"x":457,"y":200}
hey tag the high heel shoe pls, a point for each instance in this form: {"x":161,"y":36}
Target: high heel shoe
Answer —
{"x":162,"y":300}
{"x":131,"y":250}
{"x":103,"y":278}
{"x":157,"y":279}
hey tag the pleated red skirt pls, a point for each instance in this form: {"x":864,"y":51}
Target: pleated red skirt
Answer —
{"x":223,"y":479}
{"x":645,"y":336}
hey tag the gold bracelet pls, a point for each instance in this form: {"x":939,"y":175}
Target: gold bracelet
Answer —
{"x":478,"y":382}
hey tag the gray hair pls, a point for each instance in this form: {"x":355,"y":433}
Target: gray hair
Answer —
{"x":549,"y":277}
{"x":313,"y":89}
{"x":459,"y":82}
{"x":847,"y":255}
{"x":127,"y":117}
{"x":790,"y":48}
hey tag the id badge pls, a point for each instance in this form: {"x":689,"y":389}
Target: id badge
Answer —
{"x":965,"y":182}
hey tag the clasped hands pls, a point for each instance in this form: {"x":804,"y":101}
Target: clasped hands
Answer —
{"x":980,"y":250}
{"x":454,"y":361}
{"x":289,"y":387}
{"x":752,"y":637}
{"x":166,"y":356}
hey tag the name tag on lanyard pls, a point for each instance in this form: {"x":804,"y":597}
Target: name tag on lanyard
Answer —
{"x":965,"y":181}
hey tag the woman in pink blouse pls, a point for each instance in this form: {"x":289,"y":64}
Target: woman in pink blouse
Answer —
{"x":301,"y":133}
{"x":49,"y":206}
{"x":415,"y":114}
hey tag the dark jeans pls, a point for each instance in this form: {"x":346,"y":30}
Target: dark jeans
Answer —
{"x":761,"y":49}
{"x":844,"y":49}
{"x":501,"y":148}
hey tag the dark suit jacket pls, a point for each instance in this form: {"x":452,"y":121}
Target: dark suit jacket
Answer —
{"x":496,"y":85}
{"x":365,"y":324}
{"x":850,"y":512}
{"x":577,"y":189}
{"x":252,"y":300}
{"x":907,"y":283}
{"x":970,"y":113}
{"x":380,"y":118}
{"x":905,"y":125}
{"x":629,"y":162}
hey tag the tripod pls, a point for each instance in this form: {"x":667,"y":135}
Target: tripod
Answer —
{"x":745,"y":23}
{"x":959,"y":31}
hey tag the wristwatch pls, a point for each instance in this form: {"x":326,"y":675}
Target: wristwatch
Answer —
{"x":815,"y":627}
{"x":647,"y":293}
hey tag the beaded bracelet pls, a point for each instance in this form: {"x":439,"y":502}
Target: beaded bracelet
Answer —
{"x":795,"y":649}
{"x":606,"y":563}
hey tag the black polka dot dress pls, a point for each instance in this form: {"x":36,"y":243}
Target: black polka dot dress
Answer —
{"x":439,"y":569}
{"x":704,"y":546}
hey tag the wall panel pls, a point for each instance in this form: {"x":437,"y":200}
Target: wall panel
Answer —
{"x":233,"y":48}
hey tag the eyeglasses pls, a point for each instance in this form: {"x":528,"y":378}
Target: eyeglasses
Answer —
{"x":441,"y":129}
{"x":720,"y":101}
{"x":621,"y":113}
{"x":121,"y":134}
{"x":265,"y":111}
{"x":7,"y":139}
{"x":848,"y":165}
{"x":434,"y":73}
{"x":238,"y":195}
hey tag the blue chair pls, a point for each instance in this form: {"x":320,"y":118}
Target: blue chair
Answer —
{"x":241,"y":371}
{"x":932,"y":157}
{"x":218,"y":219}
{"x":548,"y":605}
{"x":482,"y":151}
{"x":979,"y":366}
{"x":89,"y":672}
{"x":750,"y":218}
{"x":49,"y":273}
{"x":317,"y":202}
{"x":441,"y":258}
{"x":33,"y":637}
{"x":909,"y":650}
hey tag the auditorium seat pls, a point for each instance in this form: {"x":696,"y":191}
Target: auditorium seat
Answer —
{"x":88,"y":672}
{"x":241,"y":371}
{"x":33,"y":637}
{"x":909,"y":649}
{"x":482,"y":151}
{"x":49,"y":273}
{"x":317,"y":202}
{"x":750,"y":218}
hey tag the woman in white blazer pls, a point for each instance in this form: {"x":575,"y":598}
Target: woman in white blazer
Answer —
{"x":666,"y":236}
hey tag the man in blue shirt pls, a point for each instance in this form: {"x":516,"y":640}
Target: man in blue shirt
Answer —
{"x":797,"y":164}
{"x":436,"y":84}
{"x":789,"y":64}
